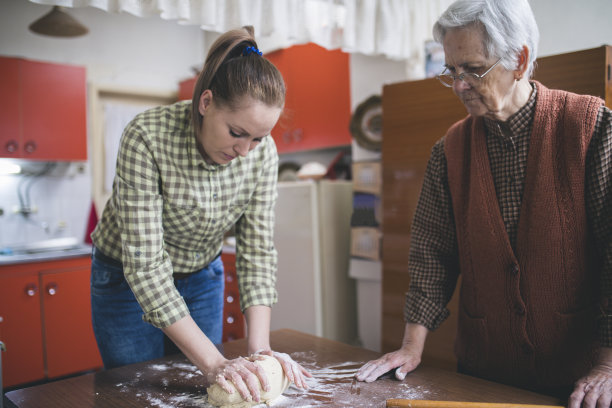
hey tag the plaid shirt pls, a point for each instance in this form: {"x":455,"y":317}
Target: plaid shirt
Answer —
{"x":433,"y":260}
{"x":169,"y":211}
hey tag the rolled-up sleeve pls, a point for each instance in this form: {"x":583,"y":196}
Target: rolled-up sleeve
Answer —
{"x":139,"y":205}
{"x":256,"y":257}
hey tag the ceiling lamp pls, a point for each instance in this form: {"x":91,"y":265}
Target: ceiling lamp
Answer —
{"x":58,"y":23}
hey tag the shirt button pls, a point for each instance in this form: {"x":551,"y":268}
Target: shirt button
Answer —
{"x":197,"y":256}
{"x":215,"y":195}
{"x":514,"y":269}
{"x":137,"y":253}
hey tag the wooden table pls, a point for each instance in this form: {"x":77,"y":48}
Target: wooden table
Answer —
{"x":174,"y":382}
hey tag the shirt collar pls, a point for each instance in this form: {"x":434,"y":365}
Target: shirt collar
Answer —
{"x":518,"y":122}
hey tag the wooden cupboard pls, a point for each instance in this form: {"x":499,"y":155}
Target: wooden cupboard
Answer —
{"x":42,"y":110}
{"x":45,"y":320}
{"x":233,"y":319}
{"x":318,"y":102}
{"x":415,"y":115}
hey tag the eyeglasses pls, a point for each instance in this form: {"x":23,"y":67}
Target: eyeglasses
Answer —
{"x":470,"y":78}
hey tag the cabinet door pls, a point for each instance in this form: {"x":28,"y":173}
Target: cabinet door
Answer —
{"x":69,"y":341}
{"x":186,"y":89}
{"x":317,"y":108}
{"x":54,"y":112}
{"x":20,"y":328}
{"x":233,"y":319}
{"x":10,"y":131}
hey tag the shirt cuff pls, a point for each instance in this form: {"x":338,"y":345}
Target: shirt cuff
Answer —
{"x":255,"y":296}
{"x":419,"y":309}
{"x":167,"y":314}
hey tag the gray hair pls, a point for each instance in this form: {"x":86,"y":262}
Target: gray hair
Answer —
{"x":507,"y":26}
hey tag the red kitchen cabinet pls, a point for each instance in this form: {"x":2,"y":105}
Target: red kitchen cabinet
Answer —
{"x":233,"y":319}
{"x":186,"y":89}
{"x":43,"y":110}
{"x":20,"y":323}
{"x":45,"y":320}
{"x":318,"y":106}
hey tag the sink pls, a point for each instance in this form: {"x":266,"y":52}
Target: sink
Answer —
{"x":46,"y":246}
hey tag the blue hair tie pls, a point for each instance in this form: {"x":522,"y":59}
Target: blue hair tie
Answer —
{"x":250,"y":50}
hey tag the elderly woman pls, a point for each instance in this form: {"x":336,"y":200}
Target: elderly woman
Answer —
{"x":516,"y":199}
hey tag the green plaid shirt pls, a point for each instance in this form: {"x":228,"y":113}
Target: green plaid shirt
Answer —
{"x":169,"y":211}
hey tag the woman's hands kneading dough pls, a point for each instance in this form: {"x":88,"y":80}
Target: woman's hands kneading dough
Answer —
{"x":244,"y":374}
{"x":276,"y":367}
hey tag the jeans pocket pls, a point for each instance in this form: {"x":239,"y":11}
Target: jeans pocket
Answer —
{"x":215,"y":269}
{"x":106,"y":279}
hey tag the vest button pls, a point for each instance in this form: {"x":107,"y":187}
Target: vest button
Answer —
{"x":520,"y":310}
{"x":514,"y":269}
{"x":526,"y":348}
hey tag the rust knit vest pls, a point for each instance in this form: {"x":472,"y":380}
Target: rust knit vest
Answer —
{"x":527,"y":318}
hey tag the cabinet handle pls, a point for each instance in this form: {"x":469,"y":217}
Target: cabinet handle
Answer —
{"x":52,"y":289}
{"x":298,"y":134}
{"x":287,"y":137}
{"x":30,"y":146}
{"x":11,"y":146}
{"x":31,"y":289}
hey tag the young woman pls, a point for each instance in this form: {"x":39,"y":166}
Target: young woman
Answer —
{"x":186,"y":173}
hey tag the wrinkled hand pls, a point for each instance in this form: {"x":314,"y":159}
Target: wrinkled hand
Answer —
{"x":404,"y":359}
{"x":294,"y":372}
{"x":594,"y":390}
{"x":244,"y":374}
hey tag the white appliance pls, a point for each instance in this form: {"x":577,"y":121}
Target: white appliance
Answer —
{"x":312,"y":237}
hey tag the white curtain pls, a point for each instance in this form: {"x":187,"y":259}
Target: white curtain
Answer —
{"x":396,"y":29}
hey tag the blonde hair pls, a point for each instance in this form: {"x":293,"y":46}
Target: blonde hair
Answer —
{"x":230,"y":75}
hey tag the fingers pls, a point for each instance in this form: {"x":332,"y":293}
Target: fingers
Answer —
{"x":294,"y":372}
{"x":261,"y":374}
{"x":246,"y":377}
{"x":594,"y":391}
{"x":402,"y":360}
{"x":372,"y":370}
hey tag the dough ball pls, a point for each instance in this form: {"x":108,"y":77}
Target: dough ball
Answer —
{"x":277,"y":379}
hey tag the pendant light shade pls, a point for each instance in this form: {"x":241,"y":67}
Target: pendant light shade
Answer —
{"x":58,"y":23}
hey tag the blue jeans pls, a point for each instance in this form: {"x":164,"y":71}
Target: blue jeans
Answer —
{"x":123,"y":337}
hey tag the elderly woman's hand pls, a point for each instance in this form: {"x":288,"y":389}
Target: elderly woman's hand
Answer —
{"x":404,"y":359}
{"x":595,"y":389}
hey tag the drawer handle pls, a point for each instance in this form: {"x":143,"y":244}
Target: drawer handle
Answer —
{"x":11,"y":146}
{"x":52,"y":289}
{"x":31,"y":289}
{"x":30,"y":146}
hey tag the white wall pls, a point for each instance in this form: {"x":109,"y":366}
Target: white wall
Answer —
{"x":120,"y":49}
{"x":570,"y":25}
